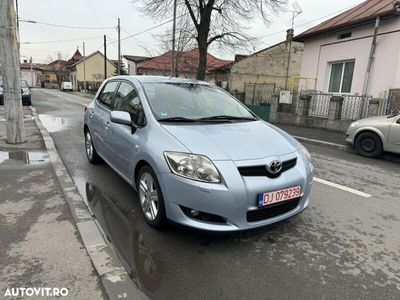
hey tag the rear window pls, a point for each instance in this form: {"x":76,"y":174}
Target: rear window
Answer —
{"x":24,"y":84}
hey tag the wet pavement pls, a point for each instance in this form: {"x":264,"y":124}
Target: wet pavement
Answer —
{"x":26,"y":157}
{"x":344,"y":246}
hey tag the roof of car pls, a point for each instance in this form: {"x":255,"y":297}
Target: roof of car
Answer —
{"x":160,"y":79}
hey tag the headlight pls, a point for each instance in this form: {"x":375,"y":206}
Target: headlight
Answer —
{"x":305,"y":151}
{"x":192,"y":166}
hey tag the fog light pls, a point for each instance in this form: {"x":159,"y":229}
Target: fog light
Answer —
{"x":194,"y":213}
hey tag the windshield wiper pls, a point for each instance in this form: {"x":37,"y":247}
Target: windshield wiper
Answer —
{"x":226,"y":117}
{"x":177,"y":119}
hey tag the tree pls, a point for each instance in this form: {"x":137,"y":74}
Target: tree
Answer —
{"x":214,"y":21}
{"x":122,"y":69}
{"x":184,"y":40}
{"x":10,"y":70}
{"x":58,"y":64}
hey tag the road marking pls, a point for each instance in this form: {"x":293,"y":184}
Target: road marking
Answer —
{"x":342,"y":187}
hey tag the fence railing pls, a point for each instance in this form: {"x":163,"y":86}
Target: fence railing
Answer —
{"x":258,"y":93}
{"x":319,"y":105}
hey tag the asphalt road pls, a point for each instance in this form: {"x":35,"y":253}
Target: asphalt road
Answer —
{"x":344,"y":246}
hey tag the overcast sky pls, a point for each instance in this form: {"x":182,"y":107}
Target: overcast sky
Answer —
{"x":45,"y":41}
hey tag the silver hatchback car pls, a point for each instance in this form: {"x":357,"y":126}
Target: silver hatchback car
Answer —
{"x":196,"y":155}
{"x":372,"y":136}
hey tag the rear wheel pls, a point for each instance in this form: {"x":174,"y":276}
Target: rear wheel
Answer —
{"x":369,"y":144}
{"x":91,"y":152}
{"x":151,"y":198}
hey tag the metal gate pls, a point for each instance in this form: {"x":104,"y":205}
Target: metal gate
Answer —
{"x":258,"y":98}
{"x":394,"y":102}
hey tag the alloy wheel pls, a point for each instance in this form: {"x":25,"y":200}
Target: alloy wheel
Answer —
{"x":89,"y":145}
{"x":148,"y":196}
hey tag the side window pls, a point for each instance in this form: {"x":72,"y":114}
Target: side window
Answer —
{"x":128,"y":100}
{"x":107,"y":93}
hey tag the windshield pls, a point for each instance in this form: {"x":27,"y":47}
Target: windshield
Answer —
{"x":192,"y":101}
{"x":24,"y":84}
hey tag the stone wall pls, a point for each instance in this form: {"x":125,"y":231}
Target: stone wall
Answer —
{"x":300,"y":114}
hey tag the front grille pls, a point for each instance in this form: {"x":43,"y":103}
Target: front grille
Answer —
{"x":272,"y":210}
{"x":262,"y":170}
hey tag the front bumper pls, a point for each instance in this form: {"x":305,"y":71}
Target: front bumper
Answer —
{"x":350,"y":136}
{"x":235,"y":197}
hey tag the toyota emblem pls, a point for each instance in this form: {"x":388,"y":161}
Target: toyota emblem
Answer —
{"x":274,"y":167}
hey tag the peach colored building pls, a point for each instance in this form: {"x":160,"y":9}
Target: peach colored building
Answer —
{"x":336,"y":52}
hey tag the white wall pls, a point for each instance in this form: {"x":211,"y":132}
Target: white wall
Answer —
{"x":131,"y":67}
{"x":31,"y":78}
{"x":320,"y":51}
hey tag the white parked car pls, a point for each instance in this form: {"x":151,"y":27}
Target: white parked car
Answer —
{"x":371,"y":136}
{"x":66,"y":86}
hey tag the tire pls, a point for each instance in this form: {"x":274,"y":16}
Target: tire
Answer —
{"x":369,"y":144}
{"x":90,"y":150}
{"x":153,"y":211}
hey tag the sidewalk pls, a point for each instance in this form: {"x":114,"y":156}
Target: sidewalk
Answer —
{"x":315,"y":135}
{"x":40,"y":245}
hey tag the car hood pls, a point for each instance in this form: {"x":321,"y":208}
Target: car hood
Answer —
{"x":233,"y":141}
{"x":374,"y":120}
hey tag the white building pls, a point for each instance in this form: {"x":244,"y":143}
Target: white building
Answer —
{"x":336,"y":52}
{"x":133,"y":62}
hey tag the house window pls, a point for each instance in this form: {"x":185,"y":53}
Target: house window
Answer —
{"x":341,"y":77}
{"x":344,"y":35}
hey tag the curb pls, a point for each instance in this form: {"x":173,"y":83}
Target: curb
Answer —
{"x":115,"y":280}
{"x":325,"y":144}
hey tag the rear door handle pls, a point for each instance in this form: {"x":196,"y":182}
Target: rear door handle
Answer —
{"x":91,"y":115}
{"x":107,"y":124}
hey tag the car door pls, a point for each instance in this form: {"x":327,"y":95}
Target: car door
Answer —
{"x":100,"y":117}
{"x":124,"y":139}
{"x":394,"y":136}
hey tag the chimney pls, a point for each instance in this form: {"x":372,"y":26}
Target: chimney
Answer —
{"x":289,"y":35}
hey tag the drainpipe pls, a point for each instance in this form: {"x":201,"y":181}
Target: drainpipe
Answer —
{"x":368,"y":71}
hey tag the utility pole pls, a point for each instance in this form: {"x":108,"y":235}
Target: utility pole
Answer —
{"x":105,"y":57}
{"x":173,"y":62}
{"x":10,"y":71}
{"x":30,"y":62}
{"x":18,"y":40}
{"x":119,"y":48}
{"x":369,"y":66}
{"x":84,"y":68}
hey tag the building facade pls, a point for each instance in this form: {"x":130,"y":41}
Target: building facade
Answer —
{"x":337,"y":52}
{"x":271,"y":66}
{"x":90,"y":69}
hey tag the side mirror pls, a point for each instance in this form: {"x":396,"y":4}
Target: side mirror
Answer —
{"x":121,"y":117}
{"x":398,"y":121}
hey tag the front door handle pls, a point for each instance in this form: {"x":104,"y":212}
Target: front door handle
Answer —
{"x":107,"y":124}
{"x":91,"y":115}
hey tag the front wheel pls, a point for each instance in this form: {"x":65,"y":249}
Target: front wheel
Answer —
{"x":91,"y":152}
{"x":369,"y":144}
{"x":151,"y":198}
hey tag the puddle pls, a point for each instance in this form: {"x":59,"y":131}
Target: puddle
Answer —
{"x":29,"y":158}
{"x":26,"y":118}
{"x":133,"y":245}
{"x":53,"y":124}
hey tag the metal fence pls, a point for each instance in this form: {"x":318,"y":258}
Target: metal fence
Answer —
{"x":319,"y":105}
{"x":258,"y":93}
{"x":354,"y":107}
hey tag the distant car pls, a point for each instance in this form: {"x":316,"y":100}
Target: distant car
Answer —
{"x":196,"y":155}
{"x":66,"y":86}
{"x":372,"y":136}
{"x":25,"y":93}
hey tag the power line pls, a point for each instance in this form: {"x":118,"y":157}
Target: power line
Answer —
{"x":309,"y":22}
{"x":148,"y":29}
{"x":64,"y":26}
{"x":61,"y":41}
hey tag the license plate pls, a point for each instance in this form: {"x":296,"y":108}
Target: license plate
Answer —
{"x":279,"y":196}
